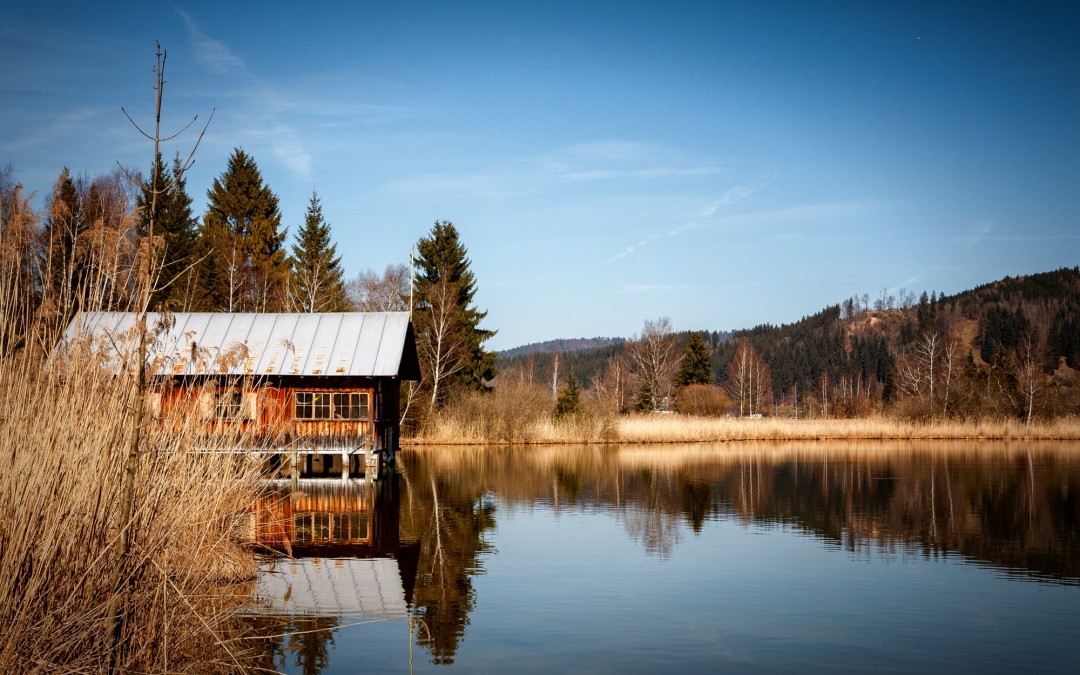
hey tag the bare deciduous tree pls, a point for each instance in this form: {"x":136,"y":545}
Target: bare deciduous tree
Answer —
{"x":389,"y":292}
{"x":1029,"y":375}
{"x":144,"y":287}
{"x":749,"y":381}
{"x":20,"y":274}
{"x":653,"y":358}
{"x":915,"y":369}
{"x":439,"y":337}
{"x":610,"y":387}
{"x":950,"y":370}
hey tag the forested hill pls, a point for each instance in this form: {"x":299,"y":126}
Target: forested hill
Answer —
{"x":863,"y":346}
{"x":564,"y":346}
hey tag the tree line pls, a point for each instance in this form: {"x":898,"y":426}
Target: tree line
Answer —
{"x":85,"y":251}
{"x":1005,"y":349}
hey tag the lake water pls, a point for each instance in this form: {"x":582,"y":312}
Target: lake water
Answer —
{"x":736,"y":558}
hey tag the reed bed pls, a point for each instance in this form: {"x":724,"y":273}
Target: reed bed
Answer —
{"x":677,"y":456}
{"x":681,"y":429}
{"x":65,"y":428}
{"x":472,"y":426}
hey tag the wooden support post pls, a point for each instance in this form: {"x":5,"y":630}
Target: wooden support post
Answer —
{"x":344,"y":464}
{"x":295,"y":467}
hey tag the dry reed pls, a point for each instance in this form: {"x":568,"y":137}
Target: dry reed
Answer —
{"x":464,"y":427}
{"x":64,"y":429}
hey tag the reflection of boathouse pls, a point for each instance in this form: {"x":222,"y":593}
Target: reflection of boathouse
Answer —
{"x":345,"y":556}
{"x":324,"y":386}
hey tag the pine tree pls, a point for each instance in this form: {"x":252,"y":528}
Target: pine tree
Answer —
{"x":443,"y":263}
{"x":245,"y":268}
{"x":177,"y":227}
{"x":695,"y":366}
{"x":316,"y":283}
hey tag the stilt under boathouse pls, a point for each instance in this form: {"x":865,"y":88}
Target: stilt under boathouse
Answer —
{"x":318,"y":392}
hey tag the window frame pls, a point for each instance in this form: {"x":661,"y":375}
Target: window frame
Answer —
{"x":328,"y":406}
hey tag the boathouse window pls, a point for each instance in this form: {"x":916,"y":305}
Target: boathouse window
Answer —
{"x":325,"y":405}
{"x":227,"y":405}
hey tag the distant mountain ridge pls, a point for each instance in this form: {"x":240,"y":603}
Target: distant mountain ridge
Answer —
{"x":565,"y":346}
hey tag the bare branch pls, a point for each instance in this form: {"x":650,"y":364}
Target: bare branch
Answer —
{"x":134,"y":124}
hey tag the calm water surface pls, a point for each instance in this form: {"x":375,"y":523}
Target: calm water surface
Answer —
{"x":735,"y":558}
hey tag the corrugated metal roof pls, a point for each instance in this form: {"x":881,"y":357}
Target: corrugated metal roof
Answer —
{"x":365,"y":344}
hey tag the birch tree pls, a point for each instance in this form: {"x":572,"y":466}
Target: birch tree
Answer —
{"x":653,"y":359}
{"x":749,"y":381}
{"x":1029,"y":376}
{"x":611,"y":384}
{"x":441,"y":347}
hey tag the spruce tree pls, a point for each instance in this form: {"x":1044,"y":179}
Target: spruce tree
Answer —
{"x":178,"y":229}
{"x":569,"y":401}
{"x":443,"y":258}
{"x":316,"y":283}
{"x":245,"y":268}
{"x":695,"y":366}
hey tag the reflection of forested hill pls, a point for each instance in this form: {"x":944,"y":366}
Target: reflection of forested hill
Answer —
{"x":1018,"y":510}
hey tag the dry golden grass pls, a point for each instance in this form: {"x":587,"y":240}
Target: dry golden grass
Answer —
{"x":685,"y":455}
{"x":679,"y":429}
{"x":64,"y":432}
{"x":457,"y":429}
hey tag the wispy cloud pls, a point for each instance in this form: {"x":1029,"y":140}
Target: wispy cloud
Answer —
{"x":976,"y":234}
{"x":587,"y":163}
{"x":802,"y":214}
{"x":288,"y":147}
{"x":622,"y":160}
{"x":732,"y":196}
{"x":469,"y":185}
{"x":266,"y":107}
{"x":658,"y":288}
{"x":651,"y":173}
{"x":213,"y":54}
{"x":906,"y":283}
{"x":61,"y":127}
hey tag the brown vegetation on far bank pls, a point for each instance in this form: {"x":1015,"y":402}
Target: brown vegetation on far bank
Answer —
{"x":521,"y":414}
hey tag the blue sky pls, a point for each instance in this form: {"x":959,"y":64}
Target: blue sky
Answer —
{"x":724,"y":164}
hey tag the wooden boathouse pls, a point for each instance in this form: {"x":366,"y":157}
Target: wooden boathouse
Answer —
{"x":321,"y":388}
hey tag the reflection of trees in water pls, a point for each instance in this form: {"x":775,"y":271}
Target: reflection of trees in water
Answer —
{"x":1019,"y":512}
{"x":648,"y":518}
{"x":1014,"y":509}
{"x":695,"y":502}
{"x":303,"y":642}
{"x":448,"y":515}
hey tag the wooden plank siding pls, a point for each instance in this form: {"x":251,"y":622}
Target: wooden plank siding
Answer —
{"x":267,"y":410}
